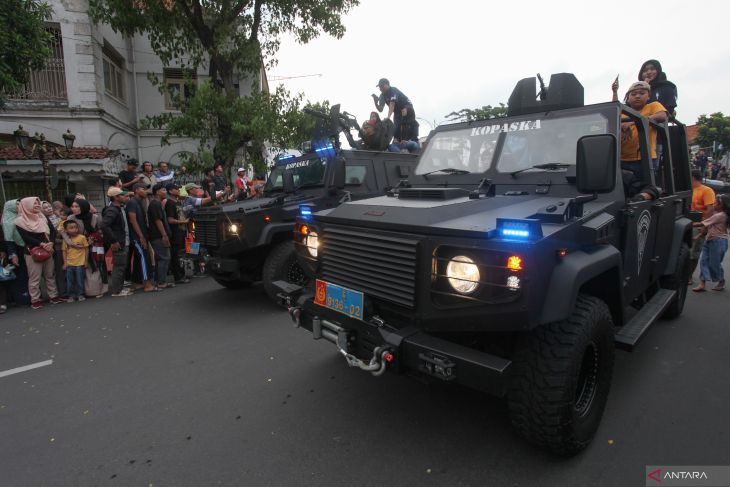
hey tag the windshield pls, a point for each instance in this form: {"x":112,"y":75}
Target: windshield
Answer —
{"x":510,"y":146}
{"x":309,"y":172}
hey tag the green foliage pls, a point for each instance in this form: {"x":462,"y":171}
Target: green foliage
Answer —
{"x":247,"y":121}
{"x":229,"y":38}
{"x":484,"y":113}
{"x":715,"y":128}
{"x":24,"y":43}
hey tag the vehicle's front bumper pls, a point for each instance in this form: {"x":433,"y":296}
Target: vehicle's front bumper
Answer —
{"x":222,"y":268}
{"x":411,"y":349}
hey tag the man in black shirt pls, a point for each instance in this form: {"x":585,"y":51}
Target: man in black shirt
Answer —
{"x":399,"y":106}
{"x":178,"y":229}
{"x":130,"y":176}
{"x":159,"y":234}
{"x":138,"y":235}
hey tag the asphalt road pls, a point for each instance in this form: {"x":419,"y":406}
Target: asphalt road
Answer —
{"x":199,"y":386}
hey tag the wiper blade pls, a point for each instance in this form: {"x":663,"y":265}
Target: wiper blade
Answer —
{"x":448,"y":170}
{"x":552,"y":166}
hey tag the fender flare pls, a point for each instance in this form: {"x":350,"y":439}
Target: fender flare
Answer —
{"x":682,"y":227}
{"x":576,"y":269}
{"x":272,"y":229}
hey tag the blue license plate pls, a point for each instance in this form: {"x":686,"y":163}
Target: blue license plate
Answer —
{"x":341,"y":299}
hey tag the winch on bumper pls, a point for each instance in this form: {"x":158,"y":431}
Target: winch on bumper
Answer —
{"x":375,"y":346}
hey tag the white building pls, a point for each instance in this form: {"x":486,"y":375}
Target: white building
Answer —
{"x":97,"y":86}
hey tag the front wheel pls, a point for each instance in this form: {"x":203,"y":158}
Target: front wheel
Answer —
{"x":560,"y":379}
{"x":281,"y":265}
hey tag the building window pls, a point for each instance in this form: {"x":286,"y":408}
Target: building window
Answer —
{"x":179,"y":86}
{"x":49,"y":83}
{"x":113,"y":72}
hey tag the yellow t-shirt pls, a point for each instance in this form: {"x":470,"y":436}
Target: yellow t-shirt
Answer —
{"x":630,"y":148}
{"x":76,"y":257}
{"x":702,"y":197}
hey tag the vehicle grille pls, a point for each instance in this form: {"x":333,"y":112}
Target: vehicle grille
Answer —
{"x":206,"y":232}
{"x":380,"y":265}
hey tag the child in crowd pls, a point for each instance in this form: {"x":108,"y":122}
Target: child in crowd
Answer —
{"x":713,"y":251}
{"x":74,"y":260}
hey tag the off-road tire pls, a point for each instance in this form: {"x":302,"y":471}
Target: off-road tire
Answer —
{"x":281,"y":265}
{"x":234,"y":284}
{"x":560,"y":378}
{"x":677,"y":282}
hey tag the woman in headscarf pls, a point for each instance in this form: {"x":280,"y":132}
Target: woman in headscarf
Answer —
{"x":14,"y":245}
{"x":662,"y":90}
{"x":89,"y":225}
{"x":37,"y":231}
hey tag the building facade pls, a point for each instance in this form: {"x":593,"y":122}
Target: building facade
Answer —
{"x":97,"y":85}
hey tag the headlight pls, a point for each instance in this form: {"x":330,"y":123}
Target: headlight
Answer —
{"x":312,"y":242}
{"x":233,"y":228}
{"x":463,"y":274}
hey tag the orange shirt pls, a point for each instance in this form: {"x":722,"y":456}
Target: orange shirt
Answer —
{"x":630,"y":148}
{"x":702,"y":198}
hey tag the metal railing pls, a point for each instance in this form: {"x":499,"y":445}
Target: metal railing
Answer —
{"x":48,"y":83}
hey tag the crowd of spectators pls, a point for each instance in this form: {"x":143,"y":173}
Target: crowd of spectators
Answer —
{"x":70,"y":251}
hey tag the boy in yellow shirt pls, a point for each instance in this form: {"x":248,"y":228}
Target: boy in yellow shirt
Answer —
{"x":74,"y":260}
{"x":638,"y":98}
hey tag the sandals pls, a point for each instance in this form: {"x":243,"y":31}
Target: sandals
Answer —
{"x":720,"y":286}
{"x":699,"y":289}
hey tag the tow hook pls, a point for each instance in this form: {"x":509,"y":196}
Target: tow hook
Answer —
{"x":381,"y":357}
{"x":295,"y":313}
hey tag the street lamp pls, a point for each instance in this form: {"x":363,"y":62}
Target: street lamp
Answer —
{"x":68,"y":139}
{"x":39,"y":146}
{"x":21,"y":138}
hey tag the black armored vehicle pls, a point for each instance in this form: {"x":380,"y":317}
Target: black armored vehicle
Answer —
{"x":251,"y":240}
{"x":513,"y":260}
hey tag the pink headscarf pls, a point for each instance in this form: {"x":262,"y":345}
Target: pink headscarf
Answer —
{"x":29,"y":220}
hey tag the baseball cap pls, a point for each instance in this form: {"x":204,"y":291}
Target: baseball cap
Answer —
{"x":171,"y":186}
{"x":133,"y":162}
{"x":114,"y":191}
{"x":382,"y":81}
{"x":241,"y":169}
{"x":158,"y":187}
{"x":190,"y":186}
{"x":139,"y":185}
{"x":639,"y":85}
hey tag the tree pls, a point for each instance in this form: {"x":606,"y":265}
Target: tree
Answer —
{"x":229,"y":37}
{"x":25,"y":45}
{"x":484,"y":113}
{"x":715,"y":128}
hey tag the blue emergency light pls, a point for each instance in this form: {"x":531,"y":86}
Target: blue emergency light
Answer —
{"x":324,"y":149}
{"x":525,"y":229}
{"x":305,"y":211}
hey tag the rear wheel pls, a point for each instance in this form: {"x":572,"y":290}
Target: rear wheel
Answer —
{"x":560,"y":379}
{"x":677,"y":282}
{"x":281,"y":265}
{"x":233,"y":284}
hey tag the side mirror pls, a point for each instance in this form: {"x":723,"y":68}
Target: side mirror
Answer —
{"x":337,"y":174}
{"x":596,"y":164}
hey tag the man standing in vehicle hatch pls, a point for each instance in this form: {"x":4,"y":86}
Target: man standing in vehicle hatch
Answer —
{"x":399,"y":106}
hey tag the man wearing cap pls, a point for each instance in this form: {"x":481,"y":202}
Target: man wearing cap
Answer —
{"x":130,"y":176}
{"x":638,"y":98}
{"x":399,"y":106}
{"x":178,"y":228}
{"x":138,"y":236}
{"x":195,"y":199}
{"x":376,"y":134}
{"x":116,"y":234}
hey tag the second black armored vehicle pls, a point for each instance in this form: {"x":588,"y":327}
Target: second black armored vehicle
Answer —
{"x":251,"y":240}
{"x":515,"y":259}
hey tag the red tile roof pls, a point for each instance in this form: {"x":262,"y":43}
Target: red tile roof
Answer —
{"x":12,"y":152}
{"x":691,"y":134}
